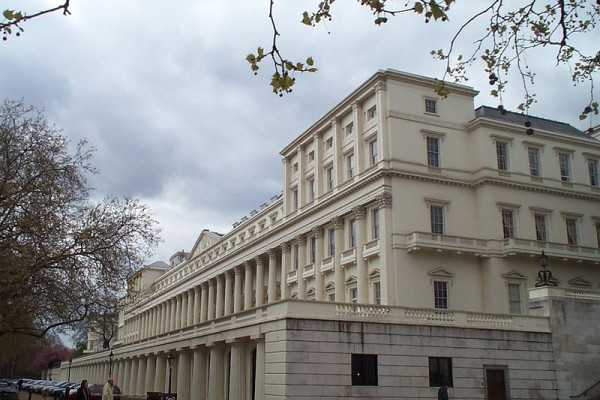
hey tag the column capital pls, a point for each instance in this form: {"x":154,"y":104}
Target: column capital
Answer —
{"x":337,"y":222}
{"x":220,"y":278}
{"x":258,"y":260}
{"x":239,"y":269}
{"x":300,"y":240}
{"x":359,"y":212}
{"x":228,"y":274}
{"x":318,"y":232}
{"x":272,"y":254}
{"x":285,"y":247}
{"x":247,"y":265}
{"x":379,"y":86}
{"x":354,"y":105}
{"x":205,"y":284}
{"x":384,"y":200}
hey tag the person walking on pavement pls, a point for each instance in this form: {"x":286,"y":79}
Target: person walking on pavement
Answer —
{"x":83,"y":393}
{"x":107,"y":392}
{"x":443,"y":393}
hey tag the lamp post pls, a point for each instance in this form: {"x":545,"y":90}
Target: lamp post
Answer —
{"x":69,"y":373}
{"x":544,"y":275}
{"x":170,"y":359}
{"x":111,"y":356}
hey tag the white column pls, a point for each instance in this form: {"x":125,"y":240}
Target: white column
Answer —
{"x":183,"y":375}
{"x":228,"y":292}
{"x":388,"y":277}
{"x":161,"y":371}
{"x":190,"y":307}
{"x":125,"y":366}
{"x":359,"y":142}
{"x":178,"y":312}
{"x":236,"y":381}
{"x":340,"y":278}
{"x":318,"y":166}
{"x":362,"y":281}
{"x":301,"y":242}
{"x":338,"y":158}
{"x":196,"y":310}
{"x":133,"y":376}
{"x":237,"y":290}
{"x":259,"y":390}
{"x":211,"y":299}
{"x":184,"y":311}
{"x":215,"y":374}
{"x":248,"y":285}
{"x":319,"y":286}
{"x":150,"y":373}
{"x":198,"y":389}
{"x":260,"y":281}
{"x":285,"y":265}
{"x":141,"y":376}
{"x":220,"y":296}
{"x":272,"y":285}
{"x":203,"y":301}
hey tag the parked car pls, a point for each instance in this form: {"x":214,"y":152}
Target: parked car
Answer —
{"x":8,"y":391}
{"x":96,"y":391}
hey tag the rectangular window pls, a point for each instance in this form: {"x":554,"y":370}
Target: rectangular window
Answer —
{"x":377,"y":292}
{"x":353,"y":295}
{"x":593,"y":169}
{"x":433,"y":151}
{"x":295,"y":199}
{"x":565,"y":167}
{"x":330,"y":178}
{"x":375,"y":223}
{"x":440,"y":294}
{"x":437,"y":219}
{"x":349,"y":129}
{"x":508,"y":223}
{"x":534,"y":161}
{"x":295,"y":168}
{"x":313,"y":249}
{"x":296,"y":255}
{"x":598,"y":232}
{"x":311,"y":156}
{"x":514,"y":298}
{"x":431,"y":106}
{"x":352,"y":233}
{"x":373,"y":151}
{"x":311,"y":190}
{"x":364,"y":370}
{"x":502,"y":155}
{"x":541,"y":229}
{"x":440,"y":372}
{"x":328,"y":143}
{"x":331,"y":296}
{"x":350,"y":165}
{"x":371,"y":113}
{"x":332,"y":242}
{"x":572,"y":234}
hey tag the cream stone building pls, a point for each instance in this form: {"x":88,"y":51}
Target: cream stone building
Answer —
{"x":402,"y":254}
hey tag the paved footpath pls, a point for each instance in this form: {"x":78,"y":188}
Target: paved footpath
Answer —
{"x":24,"y":395}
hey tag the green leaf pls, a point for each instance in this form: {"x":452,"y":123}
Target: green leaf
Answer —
{"x":418,"y":7}
{"x":436,"y":11}
{"x":9,"y":14}
{"x":309,"y":61}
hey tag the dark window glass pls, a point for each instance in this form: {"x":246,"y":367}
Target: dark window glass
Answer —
{"x":364,"y":370}
{"x":440,"y":371}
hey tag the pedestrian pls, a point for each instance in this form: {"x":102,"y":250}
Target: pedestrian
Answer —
{"x":443,"y":393}
{"x":107,"y":392}
{"x":20,"y":384}
{"x":83,"y":393}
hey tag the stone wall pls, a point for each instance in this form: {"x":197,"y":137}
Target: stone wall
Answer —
{"x":313,"y":359}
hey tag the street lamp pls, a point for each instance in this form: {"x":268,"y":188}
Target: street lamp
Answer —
{"x":69,"y":374}
{"x":111,"y":356}
{"x":544,"y":275}
{"x":170,"y":359}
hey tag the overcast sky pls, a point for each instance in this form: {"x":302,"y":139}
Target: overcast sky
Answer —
{"x":164,"y":93}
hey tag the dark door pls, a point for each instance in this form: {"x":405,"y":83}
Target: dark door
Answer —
{"x":495,"y":384}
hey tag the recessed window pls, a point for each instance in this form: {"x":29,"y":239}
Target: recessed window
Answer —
{"x":296,"y":259}
{"x":295,"y":168}
{"x":572,"y":231}
{"x":328,"y":143}
{"x":440,"y":294}
{"x":433,"y":151}
{"x":541,"y":227}
{"x":437,"y":219}
{"x":431,"y":106}
{"x":534,"y":161}
{"x":593,"y":170}
{"x":514,"y":298}
{"x":371,"y":113}
{"x":375,"y":223}
{"x":350,"y":165}
{"x":353,"y":294}
{"x":440,"y":372}
{"x":311,"y":156}
{"x":373,"y":152}
{"x":295,"y":199}
{"x":377,"y":292}
{"x":349,"y":129}
{"x":313,"y":249}
{"x":502,"y":155}
{"x":311,"y":189}
{"x":331,"y":234}
{"x":352,"y":233}
{"x":508,"y":223}
{"x":364,"y":370}
{"x":329,"y":178}
{"x":597,"y":223}
{"x":564,"y":160}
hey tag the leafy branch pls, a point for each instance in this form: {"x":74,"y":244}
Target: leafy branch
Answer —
{"x":13,"y":19}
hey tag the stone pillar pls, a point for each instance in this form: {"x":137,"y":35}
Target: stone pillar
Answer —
{"x":272,"y":285}
{"x":196,"y":309}
{"x":178,"y":313}
{"x":150,"y":373}
{"x":359,"y":142}
{"x":141,"y":376}
{"x":184,"y":305}
{"x":228,"y":293}
{"x":161,"y":372}
{"x":338,"y":157}
{"x":259,"y":389}
{"x":198,"y":389}
{"x":173,"y":309}
{"x":260,"y":281}
{"x":190,"y":307}
{"x":183,"y":375}
{"x":236,"y":373}
{"x":248,"y":285}
{"x":340,"y":277}
{"x":203,"y":301}
{"x":318,"y":166}
{"x":387,"y":275}
{"x":132,"y":386}
{"x":215,"y":374}
{"x":319,"y":285}
{"x":211,"y":299}
{"x":237,"y":290}
{"x":285,"y":265}
{"x":301,"y":242}
{"x":220,"y":296}
{"x":125,"y":366}
{"x":301,"y":177}
{"x":362,"y":281}
{"x":163,"y":317}
{"x":286,"y":186}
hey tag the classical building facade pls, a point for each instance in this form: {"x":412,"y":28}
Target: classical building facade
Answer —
{"x":402,"y":255}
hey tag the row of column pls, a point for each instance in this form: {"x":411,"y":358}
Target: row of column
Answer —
{"x":232,"y":370}
{"x":243,"y":287}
